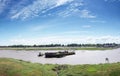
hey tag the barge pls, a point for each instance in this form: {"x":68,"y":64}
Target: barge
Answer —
{"x":58,"y":54}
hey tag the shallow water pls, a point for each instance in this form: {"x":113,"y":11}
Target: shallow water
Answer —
{"x":81,"y":57}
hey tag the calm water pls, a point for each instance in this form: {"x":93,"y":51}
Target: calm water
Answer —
{"x":81,"y":57}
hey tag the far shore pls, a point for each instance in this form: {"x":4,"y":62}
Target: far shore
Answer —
{"x":57,"y":48}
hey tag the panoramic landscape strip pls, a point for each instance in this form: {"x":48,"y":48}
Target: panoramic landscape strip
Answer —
{"x":59,"y":37}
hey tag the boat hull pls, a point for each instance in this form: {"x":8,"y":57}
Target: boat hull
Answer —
{"x":58,"y":54}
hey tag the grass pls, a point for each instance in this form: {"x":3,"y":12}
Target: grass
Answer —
{"x":56,"y":48}
{"x":13,"y":67}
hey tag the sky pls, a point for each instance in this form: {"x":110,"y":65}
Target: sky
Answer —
{"x":30,"y":22}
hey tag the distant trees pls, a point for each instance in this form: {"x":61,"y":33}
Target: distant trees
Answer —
{"x":49,"y":45}
{"x":94,"y":45}
{"x":106,"y":45}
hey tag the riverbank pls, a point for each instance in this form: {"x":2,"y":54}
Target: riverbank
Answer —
{"x":13,"y":67}
{"x":56,"y":48}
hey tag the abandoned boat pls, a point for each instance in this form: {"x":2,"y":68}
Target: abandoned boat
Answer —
{"x":58,"y":54}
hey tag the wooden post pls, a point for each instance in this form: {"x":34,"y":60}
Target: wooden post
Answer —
{"x":107,"y":60}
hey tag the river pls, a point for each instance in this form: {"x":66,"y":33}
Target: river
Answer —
{"x":81,"y":57}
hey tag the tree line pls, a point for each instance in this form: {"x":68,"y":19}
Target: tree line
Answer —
{"x":68,"y":45}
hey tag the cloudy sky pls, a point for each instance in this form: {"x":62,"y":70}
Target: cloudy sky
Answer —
{"x":59,"y":21}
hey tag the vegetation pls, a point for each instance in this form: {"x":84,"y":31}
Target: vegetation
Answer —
{"x":13,"y":67}
{"x":70,"y":45}
{"x":62,"y":47}
{"x":55,"y":48}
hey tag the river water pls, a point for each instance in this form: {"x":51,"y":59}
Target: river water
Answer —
{"x":81,"y":57}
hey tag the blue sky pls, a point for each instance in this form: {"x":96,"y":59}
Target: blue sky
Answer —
{"x":59,"y":21}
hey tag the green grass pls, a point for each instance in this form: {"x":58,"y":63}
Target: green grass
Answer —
{"x":92,"y":70}
{"x":13,"y":67}
{"x":57,"y":48}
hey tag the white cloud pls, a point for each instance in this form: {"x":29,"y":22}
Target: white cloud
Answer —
{"x":37,"y":8}
{"x":25,"y":10}
{"x":41,"y":8}
{"x":67,"y":40}
{"x":61,"y":2}
{"x":86,"y":14}
{"x":70,"y":10}
{"x":86,"y":26}
{"x":74,"y":10}
{"x":3,"y":4}
{"x":34,"y":9}
{"x":98,"y":21}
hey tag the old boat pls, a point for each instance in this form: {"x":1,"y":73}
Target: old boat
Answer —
{"x":58,"y":54}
